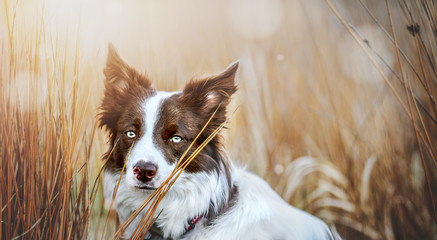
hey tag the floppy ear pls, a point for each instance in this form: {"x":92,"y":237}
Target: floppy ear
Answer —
{"x":122,"y":83}
{"x":209,"y":93}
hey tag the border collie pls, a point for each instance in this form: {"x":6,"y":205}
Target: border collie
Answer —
{"x":212,"y":198}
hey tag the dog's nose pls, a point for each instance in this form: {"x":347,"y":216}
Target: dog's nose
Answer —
{"x":145,"y":171}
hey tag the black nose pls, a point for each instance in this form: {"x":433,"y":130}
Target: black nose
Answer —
{"x":145,"y":171}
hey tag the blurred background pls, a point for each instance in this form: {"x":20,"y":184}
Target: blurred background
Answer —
{"x":337,"y":115}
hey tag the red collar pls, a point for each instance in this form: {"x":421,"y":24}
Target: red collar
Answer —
{"x":155,"y":231}
{"x":192,"y":223}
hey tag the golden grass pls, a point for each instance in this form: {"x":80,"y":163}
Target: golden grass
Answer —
{"x":45,"y":144}
{"x":338,"y":110}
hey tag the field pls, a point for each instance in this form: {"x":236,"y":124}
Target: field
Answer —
{"x":336,"y":105}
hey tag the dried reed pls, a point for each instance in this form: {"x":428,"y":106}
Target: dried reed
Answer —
{"x":339,"y":116}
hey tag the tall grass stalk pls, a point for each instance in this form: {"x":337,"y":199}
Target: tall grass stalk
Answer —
{"x":330,"y":118}
{"x":417,"y":131}
{"x":44,"y":147}
{"x":415,"y":12}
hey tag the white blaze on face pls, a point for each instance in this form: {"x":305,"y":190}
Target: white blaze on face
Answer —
{"x":145,"y":149}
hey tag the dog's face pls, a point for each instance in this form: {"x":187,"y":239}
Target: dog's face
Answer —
{"x":149,"y":130}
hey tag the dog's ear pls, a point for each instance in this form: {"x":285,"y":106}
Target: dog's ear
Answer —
{"x":122,"y":83}
{"x":120,"y":76}
{"x":209,"y":93}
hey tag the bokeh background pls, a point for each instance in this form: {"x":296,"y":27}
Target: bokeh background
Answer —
{"x":327,"y":114}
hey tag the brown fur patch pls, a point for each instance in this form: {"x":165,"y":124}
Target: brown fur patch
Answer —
{"x":186,"y":113}
{"x":183,"y":114}
{"x":125,"y":90}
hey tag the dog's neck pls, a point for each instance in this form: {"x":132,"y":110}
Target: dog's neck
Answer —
{"x":195,"y":194}
{"x":207,"y":194}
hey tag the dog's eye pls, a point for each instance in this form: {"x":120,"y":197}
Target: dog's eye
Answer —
{"x":130,"y":134}
{"x":176,"y":139}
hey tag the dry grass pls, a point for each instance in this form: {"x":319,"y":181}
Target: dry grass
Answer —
{"x":45,"y":137}
{"x":337,"y":114}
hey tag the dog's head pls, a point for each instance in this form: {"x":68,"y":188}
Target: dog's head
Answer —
{"x":151,"y":129}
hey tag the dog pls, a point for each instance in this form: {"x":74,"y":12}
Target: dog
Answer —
{"x":212,"y":198}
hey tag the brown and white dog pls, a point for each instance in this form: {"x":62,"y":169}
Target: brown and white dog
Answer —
{"x":212,"y":199}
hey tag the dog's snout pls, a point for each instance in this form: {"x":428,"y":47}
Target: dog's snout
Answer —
{"x":145,"y":171}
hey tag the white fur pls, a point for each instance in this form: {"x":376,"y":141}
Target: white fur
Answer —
{"x":186,"y":198}
{"x":145,"y":148}
{"x":258,"y":213}
{"x":261,"y":214}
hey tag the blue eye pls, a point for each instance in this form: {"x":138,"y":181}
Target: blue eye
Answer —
{"x":130,"y":134}
{"x":176,"y":139}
